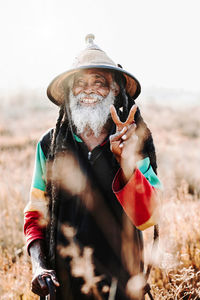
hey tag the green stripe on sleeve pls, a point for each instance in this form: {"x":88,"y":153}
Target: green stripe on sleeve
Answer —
{"x":39,"y":175}
{"x":148,"y":172}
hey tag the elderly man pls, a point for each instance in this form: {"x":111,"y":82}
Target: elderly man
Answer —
{"x":94,"y":185}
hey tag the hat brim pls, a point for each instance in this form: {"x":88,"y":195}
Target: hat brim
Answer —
{"x":55,"y":90}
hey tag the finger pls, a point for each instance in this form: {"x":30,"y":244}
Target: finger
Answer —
{"x":129,"y":133}
{"x":43,"y":285}
{"x":116,"y":150}
{"x":36,"y":288}
{"x":52,"y":275}
{"x":117,"y":136}
{"x":55,"y":280}
{"x":130,"y":148}
{"x":114,"y":116}
{"x":37,"y":291}
{"x":131,"y":115}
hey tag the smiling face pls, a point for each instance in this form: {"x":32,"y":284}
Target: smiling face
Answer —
{"x":92,"y":93}
{"x":94,"y":82}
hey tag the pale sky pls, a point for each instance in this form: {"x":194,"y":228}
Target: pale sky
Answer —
{"x":158,"y":41}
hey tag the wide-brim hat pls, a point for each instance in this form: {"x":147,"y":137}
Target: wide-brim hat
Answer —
{"x":90,"y":58}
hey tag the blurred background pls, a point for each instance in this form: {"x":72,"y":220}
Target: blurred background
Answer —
{"x":155,"y":40}
{"x":158,"y":42}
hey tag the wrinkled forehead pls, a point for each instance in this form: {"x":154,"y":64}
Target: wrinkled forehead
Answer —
{"x":94,"y":73}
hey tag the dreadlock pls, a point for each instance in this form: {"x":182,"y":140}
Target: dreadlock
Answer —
{"x":52,"y":191}
{"x":57,"y":145}
{"x":123,"y":105}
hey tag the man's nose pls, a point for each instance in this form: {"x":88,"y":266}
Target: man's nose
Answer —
{"x":89,"y":89}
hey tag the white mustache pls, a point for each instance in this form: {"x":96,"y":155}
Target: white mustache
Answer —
{"x":82,"y":96}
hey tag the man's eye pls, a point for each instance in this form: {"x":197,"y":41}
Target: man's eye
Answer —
{"x":99,"y":83}
{"x":79,"y":83}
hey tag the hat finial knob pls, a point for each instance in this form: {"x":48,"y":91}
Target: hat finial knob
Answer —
{"x":89,"y":39}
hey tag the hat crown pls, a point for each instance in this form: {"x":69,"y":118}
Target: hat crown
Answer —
{"x":92,"y":55}
{"x":89,"y":39}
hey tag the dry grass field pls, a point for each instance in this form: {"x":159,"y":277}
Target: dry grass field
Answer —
{"x":176,"y":132}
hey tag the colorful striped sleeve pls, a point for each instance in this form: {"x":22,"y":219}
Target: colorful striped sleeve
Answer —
{"x":36,"y":211}
{"x":139,"y":196}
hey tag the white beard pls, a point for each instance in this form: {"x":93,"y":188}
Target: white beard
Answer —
{"x":90,"y":117}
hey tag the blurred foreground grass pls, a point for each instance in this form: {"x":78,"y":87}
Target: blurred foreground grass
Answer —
{"x":176,"y":132}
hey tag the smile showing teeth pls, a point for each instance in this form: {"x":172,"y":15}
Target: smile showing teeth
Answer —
{"x":88,"y":100}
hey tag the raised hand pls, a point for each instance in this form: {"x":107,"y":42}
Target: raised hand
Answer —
{"x":124,"y":142}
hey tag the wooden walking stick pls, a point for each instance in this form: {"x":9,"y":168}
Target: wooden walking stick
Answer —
{"x":52,"y":290}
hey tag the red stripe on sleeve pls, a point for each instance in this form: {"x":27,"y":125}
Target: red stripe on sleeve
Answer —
{"x":32,"y":229}
{"x":137,"y":197}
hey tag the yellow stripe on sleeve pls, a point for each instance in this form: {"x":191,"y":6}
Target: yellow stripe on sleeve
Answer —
{"x":37,"y":202}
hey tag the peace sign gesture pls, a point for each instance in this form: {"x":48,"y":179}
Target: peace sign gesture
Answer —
{"x":123,"y":143}
{"x":130,"y":120}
